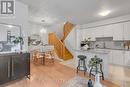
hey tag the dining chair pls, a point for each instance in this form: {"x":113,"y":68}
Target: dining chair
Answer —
{"x":37,"y":57}
{"x":49,"y":57}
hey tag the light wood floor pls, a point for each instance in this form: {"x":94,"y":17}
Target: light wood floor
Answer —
{"x":49,"y":76}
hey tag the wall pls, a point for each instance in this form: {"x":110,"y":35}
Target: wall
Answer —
{"x":34,"y":28}
{"x":20,"y":18}
{"x":57,"y":28}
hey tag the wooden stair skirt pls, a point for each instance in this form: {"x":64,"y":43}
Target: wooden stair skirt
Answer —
{"x":59,"y":45}
{"x":60,"y":48}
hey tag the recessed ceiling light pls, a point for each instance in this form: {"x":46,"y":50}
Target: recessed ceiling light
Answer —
{"x":104,"y":13}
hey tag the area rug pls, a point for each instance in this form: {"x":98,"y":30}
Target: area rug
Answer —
{"x":77,"y":82}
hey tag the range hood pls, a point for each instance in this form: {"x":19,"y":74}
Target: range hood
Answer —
{"x":104,"y":38}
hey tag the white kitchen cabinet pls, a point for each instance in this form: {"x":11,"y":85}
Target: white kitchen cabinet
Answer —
{"x":107,"y":31}
{"x":118,"y":31}
{"x":110,"y":57}
{"x":98,"y":31}
{"x":92,"y":35}
{"x":127,"y":58}
{"x":118,"y":57}
{"x":126,"y":31}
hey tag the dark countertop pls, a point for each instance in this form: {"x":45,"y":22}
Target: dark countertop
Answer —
{"x":11,"y":53}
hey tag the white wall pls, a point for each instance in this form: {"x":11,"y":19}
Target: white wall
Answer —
{"x":35,"y":29}
{"x":57,"y":28}
{"x":20,"y":18}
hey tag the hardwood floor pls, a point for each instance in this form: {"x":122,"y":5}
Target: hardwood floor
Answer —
{"x":49,"y":76}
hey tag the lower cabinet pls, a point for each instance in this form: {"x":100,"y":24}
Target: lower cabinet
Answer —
{"x":4,"y":69}
{"x":127,"y":58}
{"x":14,"y":66}
{"x":118,"y":57}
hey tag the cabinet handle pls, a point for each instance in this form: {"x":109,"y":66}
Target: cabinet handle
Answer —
{"x":12,"y":67}
{"x":8,"y":69}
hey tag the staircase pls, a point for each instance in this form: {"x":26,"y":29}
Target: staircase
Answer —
{"x":59,"y":45}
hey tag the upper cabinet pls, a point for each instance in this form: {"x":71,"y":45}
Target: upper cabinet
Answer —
{"x":127,"y":31}
{"x":108,"y":31}
{"x":118,"y":31}
{"x":98,"y":31}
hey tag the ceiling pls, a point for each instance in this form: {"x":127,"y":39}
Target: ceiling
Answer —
{"x":75,"y":11}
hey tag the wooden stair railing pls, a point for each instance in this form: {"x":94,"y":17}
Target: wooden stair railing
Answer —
{"x":60,"y":48}
{"x":67,"y":29}
{"x":59,"y":45}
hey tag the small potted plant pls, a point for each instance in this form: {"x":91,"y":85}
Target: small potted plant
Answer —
{"x":18,"y":40}
{"x":94,"y":62}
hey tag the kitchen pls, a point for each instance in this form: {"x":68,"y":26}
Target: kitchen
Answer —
{"x":110,"y":42}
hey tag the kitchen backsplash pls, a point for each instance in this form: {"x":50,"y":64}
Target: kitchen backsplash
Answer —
{"x":107,"y":43}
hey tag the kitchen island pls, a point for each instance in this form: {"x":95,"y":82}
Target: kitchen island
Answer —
{"x":14,"y":66}
{"x":103,"y":54}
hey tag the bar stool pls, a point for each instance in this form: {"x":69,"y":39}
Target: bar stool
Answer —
{"x":97,"y":69}
{"x":81,"y":64}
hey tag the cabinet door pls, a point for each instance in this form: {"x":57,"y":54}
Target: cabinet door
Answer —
{"x":118,"y":57}
{"x":127,"y":58}
{"x":18,"y":66}
{"x":126,"y":31}
{"x":98,"y":31}
{"x":118,"y":31}
{"x":111,"y":57}
{"x":26,"y":57}
{"x":4,"y":69}
{"x":108,"y":31}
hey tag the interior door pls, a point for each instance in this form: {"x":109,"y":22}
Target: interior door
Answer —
{"x":18,"y":66}
{"x":4,"y":69}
